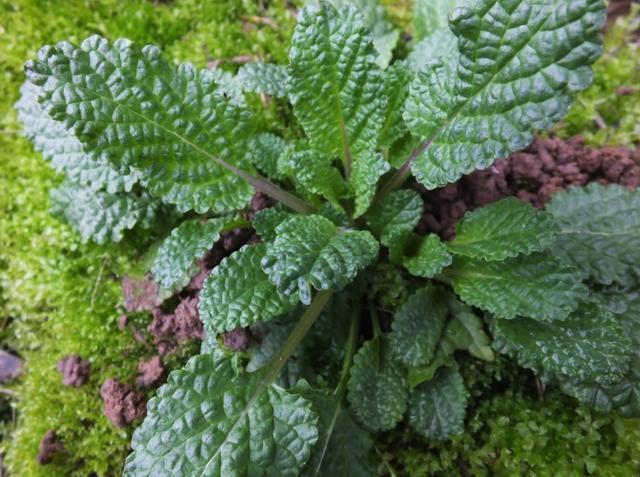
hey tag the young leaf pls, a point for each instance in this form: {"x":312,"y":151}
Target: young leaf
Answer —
{"x":263,"y":78}
{"x":363,"y":180}
{"x":589,"y":345}
{"x":175,"y":261}
{"x":430,"y":16}
{"x":263,"y":151}
{"x":396,"y":88}
{"x":440,"y":44}
{"x":437,"y":407}
{"x":128,"y":106}
{"x":238,"y":293}
{"x":430,"y":259}
{"x":64,"y":150}
{"x":312,"y":251}
{"x":334,"y":84}
{"x":537,"y":286}
{"x":486,"y":104}
{"x":265,"y":222}
{"x":599,"y":231}
{"x":504,"y":229}
{"x":395,"y":216}
{"x":101,"y":216}
{"x":466,"y":331}
{"x":417,"y":327}
{"x":207,"y":421}
{"x":343,"y":446}
{"x":377,"y":386}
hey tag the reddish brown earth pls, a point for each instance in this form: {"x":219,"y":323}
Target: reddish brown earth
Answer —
{"x":140,"y":295}
{"x":75,"y":370}
{"x":50,"y":446}
{"x":533,"y":175}
{"x":122,"y":404}
{"x":238,"y":339}
{"x":10,"y":366}
{"x":150,"y":372}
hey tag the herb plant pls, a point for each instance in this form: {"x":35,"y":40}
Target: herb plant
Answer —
{"x":142,"y":140}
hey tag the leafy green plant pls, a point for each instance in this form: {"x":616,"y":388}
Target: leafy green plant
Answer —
{"x":517,"y":280}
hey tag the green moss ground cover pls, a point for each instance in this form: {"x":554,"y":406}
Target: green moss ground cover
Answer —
{"x":59,"y":296}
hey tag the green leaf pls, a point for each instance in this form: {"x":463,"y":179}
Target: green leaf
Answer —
{"x":238,"y":293}
{"x":623,"y":396}
{"x":439,"y":44}
{"x":208,"y":421}
{"x":430,"y":259}
{"x":466,"y":332}
{"x":343,"y":446}
{"x":395,"y":216}
{"x":312,"y":172}
{"x":64,"y":150}
{"x":599,"y":231}
{"x":265,"y":222}
{"x":518,"y":67}
{"x":175,"y":261}
{"x":504,"y":229}
{"x":589,"y":345}
{"x":312,"y":251}
{"x":104,"y":217}
{"x":537,"y":286}
{"x":377,"y":386}
{"x":396,"y":89}
{"x":334,"y":84}
{"x":131,"y":108}
{"x":374,"y":16}
{"x":263,"y":151}
{"x":417,"y":327}
{"x":263,"y":78}
{"x":364,"y":178}
{"x":437,"y":407}
{"x":430,"y":16}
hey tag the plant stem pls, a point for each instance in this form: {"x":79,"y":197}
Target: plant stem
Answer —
{"x":352,"y":342}
{"x":375,"y":322}
{"x":297,"y":335}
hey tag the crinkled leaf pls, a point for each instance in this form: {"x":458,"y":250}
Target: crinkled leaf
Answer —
{"x":440,"y":44}
{"x":128,"y":106}
{"x":518,"y":66}
{"x":623,"y":396}
{"x":395,"y":216}
{"x":238,"y":293}
{"x":263,"y":78}
{"x":537,"y":286}
{"x":104,"y":217}
{"x":208,"y":421}
{"x":343,"y":446}
{"x":437,"y":407}
{"x":64,"y":150}
{"x":430,"y":258}
{"x":396,"y":89}
{"x":313,"y":172}
{"x":265,"y":221}
{"x":263,"y":151}
{"x":589,"y":345}
{"x":466,"y":331}
{"x":599,"y":231}
{"x":504,"y":229}
{"x":431,"y":15}
{"x":312,"y":251}
{"x":175,"y":261}
{"x":377,"y":386}
{"x":363,"y":180}
{"x":334,"y":84}
{"x":417,"y":327}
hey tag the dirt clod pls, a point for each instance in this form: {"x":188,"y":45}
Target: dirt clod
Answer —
{"x":140,"y":295}
{"x":10,"y":366}
{"x":49,"y":447}
{"x":75,"y":370}
{"x":150,"y":372}
{"x":122,"y":404}
{"x":237,"y":339}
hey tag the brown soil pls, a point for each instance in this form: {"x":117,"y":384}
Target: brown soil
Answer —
{"x":237,"y":340}
{"x":140,"y":295}
{"x":50,"y":446}
{"x":533,"y":175}
{"x":122,"y":404}
{"x":150,"y":372}
{"x":75,"y":370}
{"x":10,"y":366}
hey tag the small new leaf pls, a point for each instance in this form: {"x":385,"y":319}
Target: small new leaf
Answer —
{"x":377,"y":386}
{"x":430,"y":16}
{"x":537,"y":286}
{"x":263,"y":78}
{"x":312,"y":251}
{"x":504,"y":229}
{"x":437,"y":407}
{"x":430,"y":258}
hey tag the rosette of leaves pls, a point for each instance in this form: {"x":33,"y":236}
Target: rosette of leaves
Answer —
{"x":514,"y":279}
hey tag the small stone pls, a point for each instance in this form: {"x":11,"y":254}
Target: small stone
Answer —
{"x":75,"y":370}
{"x":150,"y":372}
{"x":10,"y":366}
{"x":121,"y":404}
{"x":49,"y":447}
